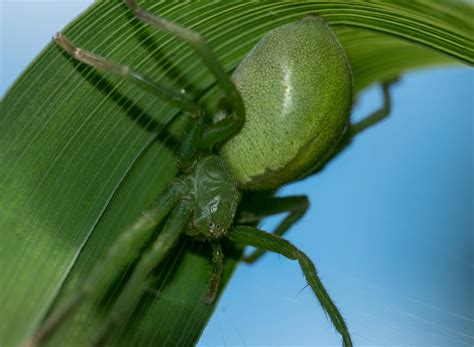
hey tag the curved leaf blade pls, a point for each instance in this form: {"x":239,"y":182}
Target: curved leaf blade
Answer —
{"x":82,"y":154}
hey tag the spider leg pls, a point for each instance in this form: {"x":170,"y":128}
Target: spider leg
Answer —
{"x":376,"y":116}
{"x":193,"y":135}
{"x":372,"y":119}
{"x":357,"y":128}
{"x":255,"y":210}
{"x":217,"y":260}
{"x":227,"y":127}
{"x":167,"y":238}
{"x":190,"y":144}
{"x":163,"y":92}
{"x":269,"y":242}
{"x":123,"y":251}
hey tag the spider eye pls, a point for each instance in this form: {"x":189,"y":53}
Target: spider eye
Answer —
{"x":211,"y":225}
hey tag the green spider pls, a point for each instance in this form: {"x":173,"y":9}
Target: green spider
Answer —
{"x":285,"y":113}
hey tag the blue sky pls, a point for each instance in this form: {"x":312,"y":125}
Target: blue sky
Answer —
{"x":390,"y":226}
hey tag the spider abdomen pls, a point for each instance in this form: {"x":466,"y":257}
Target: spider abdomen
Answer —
{"x":296,"y":85}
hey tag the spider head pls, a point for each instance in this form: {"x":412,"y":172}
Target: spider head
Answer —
{"x":216,"y":217}
{"x":216,"y":230}
{"x":216,"y":198}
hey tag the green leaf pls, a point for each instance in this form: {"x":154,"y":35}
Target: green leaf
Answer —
{"x":83,"y":154}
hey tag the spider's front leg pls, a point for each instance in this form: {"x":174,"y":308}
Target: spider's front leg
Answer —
{"x":250,"y":236}
{"x":167,"y":238}
{"x":123,"y":252}
{"x":254,"y":210}
{"x":215,"y":280}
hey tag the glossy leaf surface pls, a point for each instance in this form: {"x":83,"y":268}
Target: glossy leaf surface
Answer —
{"x":83,"y":154}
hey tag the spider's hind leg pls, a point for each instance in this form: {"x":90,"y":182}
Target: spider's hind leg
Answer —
{"x":163,"y":92}
{"x":227,"y":127}
{"x":377,"y":116}
{"x":194,"y":132}
{"x":355,"y":129}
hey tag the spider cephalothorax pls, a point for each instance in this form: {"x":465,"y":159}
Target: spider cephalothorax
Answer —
{"x":216,"y":197}
{"x":288,"y":114}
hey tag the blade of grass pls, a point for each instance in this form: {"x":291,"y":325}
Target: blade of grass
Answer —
{"x":82,"y":154}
